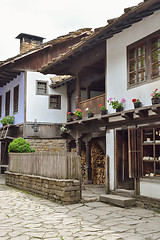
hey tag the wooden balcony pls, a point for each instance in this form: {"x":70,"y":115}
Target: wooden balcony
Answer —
{"x":92,"y":104}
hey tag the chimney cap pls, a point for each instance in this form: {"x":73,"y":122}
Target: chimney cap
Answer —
{"x":21,"y":35}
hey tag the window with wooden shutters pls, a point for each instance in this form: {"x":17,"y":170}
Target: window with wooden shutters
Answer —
{"x":41,"y":88}
{"x":7,"y":103}
{"x":55,"y":102}
{"x":0,"y":106}
{"x":15,"y":99}
{"x":144,"y":60}
{"x":135,"y":158}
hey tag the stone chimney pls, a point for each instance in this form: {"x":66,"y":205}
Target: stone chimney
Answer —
{"x":28,"y":41}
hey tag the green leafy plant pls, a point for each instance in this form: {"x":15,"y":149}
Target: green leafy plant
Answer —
{"x":115,"y":103}
{"x":78,"y":112}
{"x":102,"y":108}
{"x":7,"y":120}
{"x":89,"y":111}
{"x":19,"y":145}
{"x":64,"y":129}
{"x":155,"y":94}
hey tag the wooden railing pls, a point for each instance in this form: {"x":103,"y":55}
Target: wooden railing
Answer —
{"x":92,"y":104}
{"x":58,"y":165}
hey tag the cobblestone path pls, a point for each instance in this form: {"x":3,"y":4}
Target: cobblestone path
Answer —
{"x":23,"y":216}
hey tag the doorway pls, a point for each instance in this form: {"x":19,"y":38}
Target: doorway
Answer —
{"x":122,"y":161}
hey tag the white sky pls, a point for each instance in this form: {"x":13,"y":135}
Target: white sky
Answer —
{"x":52,"y":18}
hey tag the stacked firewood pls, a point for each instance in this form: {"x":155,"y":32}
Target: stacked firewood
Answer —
{"x":98,"y":164}
{"x":83,"y":165}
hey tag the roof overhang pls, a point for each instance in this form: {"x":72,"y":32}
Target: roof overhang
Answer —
{"x":132,"y":15}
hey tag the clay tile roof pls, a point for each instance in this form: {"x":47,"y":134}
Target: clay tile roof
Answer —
{"x":60,"y":80}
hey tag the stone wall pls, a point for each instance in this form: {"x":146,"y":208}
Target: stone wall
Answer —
{"x":48,"y":144}
{"x":62,"y":190}
{"x":148,"y":203}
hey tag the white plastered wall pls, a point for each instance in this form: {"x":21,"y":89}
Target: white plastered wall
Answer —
{"x":116,"y":78}
{"x":110,"y":152}
{"x":19,"y":80}
{"x":37,"y":106}
{"x":117,"y":63}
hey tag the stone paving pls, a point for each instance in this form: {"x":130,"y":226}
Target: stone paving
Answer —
{"x":24,"y":217}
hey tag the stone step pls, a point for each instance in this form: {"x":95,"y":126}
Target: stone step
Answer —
{"x":124,"y":192}
{"x":117,"y":200}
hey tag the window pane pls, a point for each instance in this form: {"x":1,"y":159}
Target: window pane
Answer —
{"x":156,"y":55}
{"x":132,"y":65}
{"x":132,"y":78}
{"x":156,"y":69}
{"x":141,"y":50}
{"x":55,"y":102}
{"x":141,"y":62}
{"x":16,"y":99}
{"x":155,"y":43}
{"x":7,"y":105}
{"x":41,"y":88}
{"x":141,"y":76}
{"x":132,"y":53}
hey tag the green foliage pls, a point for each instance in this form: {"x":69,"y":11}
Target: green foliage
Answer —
{"x":7,"y":120}
{"x":19,"y":145}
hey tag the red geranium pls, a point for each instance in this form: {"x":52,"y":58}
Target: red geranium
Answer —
{"x":134,"y":100}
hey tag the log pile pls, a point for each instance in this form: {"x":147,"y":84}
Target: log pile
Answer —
{"x":98,"y":164}
{"x":83,"y":165}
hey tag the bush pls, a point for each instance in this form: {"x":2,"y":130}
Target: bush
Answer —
{"x":7,"y":120}
{"x":19,"y":145}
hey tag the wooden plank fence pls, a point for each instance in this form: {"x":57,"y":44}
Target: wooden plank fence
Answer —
{"x":47,"y":164}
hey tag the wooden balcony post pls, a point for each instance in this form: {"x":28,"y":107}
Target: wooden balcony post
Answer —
{"x":78,"y":146}
{"x":68,"y":146}
{"x":78,"y":91}
{"x":88,"y":161}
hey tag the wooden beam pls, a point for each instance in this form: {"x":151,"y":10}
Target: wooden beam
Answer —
{"x":142,"y":112}
{"x":127,"y":115}
{"x":156,"y":109}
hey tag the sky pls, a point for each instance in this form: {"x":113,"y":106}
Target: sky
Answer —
{"x":52,"y":18}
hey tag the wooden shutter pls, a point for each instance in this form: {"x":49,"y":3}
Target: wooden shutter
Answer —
{"x":134,"y":147}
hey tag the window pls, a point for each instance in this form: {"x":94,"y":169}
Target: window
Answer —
{"x":41,"y":88}
{"x":55,"y":102}
{"x":7,"y":106}
{"x":151,"y":152}
{"x":144,"y":60}
{"x":15,"y":99}
{"x":0,"y":106}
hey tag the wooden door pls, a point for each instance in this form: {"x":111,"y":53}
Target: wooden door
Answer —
{"x":135,"y":158}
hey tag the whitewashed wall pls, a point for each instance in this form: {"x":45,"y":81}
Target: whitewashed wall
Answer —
{"x":110,"y":152}
{"x":38,"y":105}
{"x":19,"y":80}
{"x":116,"y":77}
{"x":150,"y":188}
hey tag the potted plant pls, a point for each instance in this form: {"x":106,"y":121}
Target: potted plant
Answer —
{"x":155,"y":97}
{"x":69,"y":117}
{"x":78,"y":114}
{"x":64,"y":131}
{"x":137,"y":103}
{"x":103,"y":109}
{"x":89,"y":112}
{"x":115,"y":104}
{"x":7,"y":120}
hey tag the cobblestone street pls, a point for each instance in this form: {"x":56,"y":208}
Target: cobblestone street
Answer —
{"x":24,"y":216}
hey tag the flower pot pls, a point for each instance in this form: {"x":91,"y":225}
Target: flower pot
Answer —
{"x":103,"y":112}
{"x":70,"y":119}
{"x":137,"y":104}
{"x":64,"y":134}
{"x":155,"y":100}
{"x":90,"y":115}
{"x":119,"y":109}
{"x":78,"y":118}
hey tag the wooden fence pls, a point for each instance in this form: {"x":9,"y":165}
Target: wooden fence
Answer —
{"x":47,"y":164}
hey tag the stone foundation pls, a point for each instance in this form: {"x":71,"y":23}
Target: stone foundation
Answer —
{"x":62,"y":190}
{"x":148,"y":203}
{"x":56,"y":145}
